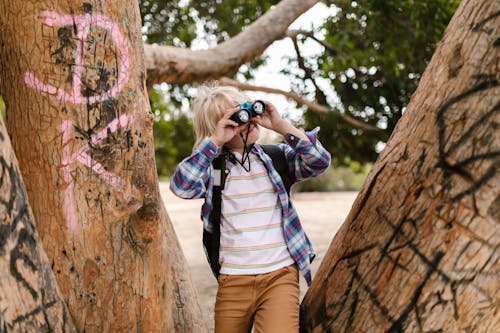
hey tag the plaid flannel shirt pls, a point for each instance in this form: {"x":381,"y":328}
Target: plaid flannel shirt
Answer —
{"x":193,"y":178}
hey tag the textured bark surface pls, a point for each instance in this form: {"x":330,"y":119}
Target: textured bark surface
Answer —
{"x":29,"y":297}
{"x":419,"y":250}
{"x":73,"y":80}
{"x":178,"y":65}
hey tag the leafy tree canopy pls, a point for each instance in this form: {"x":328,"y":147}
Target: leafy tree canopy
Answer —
{"x":373,"y":55}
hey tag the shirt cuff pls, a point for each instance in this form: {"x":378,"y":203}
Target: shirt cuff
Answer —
{"x":293,"y":140}
{"x":208,"y":148}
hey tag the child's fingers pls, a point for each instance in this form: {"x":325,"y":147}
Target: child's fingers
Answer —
{"x":232,"y":123}
{"x":242,"y":127}
{"x":229,"y":112}
{"x":226,"y":122}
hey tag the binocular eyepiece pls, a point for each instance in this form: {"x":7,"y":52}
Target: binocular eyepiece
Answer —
{"x":247,"y":111}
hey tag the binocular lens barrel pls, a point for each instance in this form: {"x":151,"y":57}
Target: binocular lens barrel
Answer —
{"x":259,"y":107}
{"x":242,"y":116}
{"x":247,"y":111}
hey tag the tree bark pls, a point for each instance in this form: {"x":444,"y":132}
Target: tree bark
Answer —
{"x":29,"y":297}
{"x":73,"y":80}
{"x":418,"y":251}
{"x":177,"y":65}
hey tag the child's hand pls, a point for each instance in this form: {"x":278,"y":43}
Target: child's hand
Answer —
{"x":271,"y":119}
{"x":226,"y":128}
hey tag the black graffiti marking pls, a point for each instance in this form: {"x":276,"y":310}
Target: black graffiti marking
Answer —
{"x":8,"y":174}
{"x":20,"y":229}
{"x":350,"y":300}
{"x":459,"y":167}
{"x":34,"y":312}
{"x":350,"y":294}
{"x":481,"y":23}
{"x":373,"y":297}
{"x":482,"y":86}
{"x":486,"y":82}
{"x":433,"y":268}
{"x":25,"y":242}
{"x":16,"y":205}
{"x":412,"y":305}
{"x":65,"y":53}
{"x":397,"y":229}
{"x":3,"y":324}
{"x":352,"y":311}
{"x":353,"y":296}
{"x":99,"y":81}
{"x":483,"y":119}
{"x":341,"y":305}
{"x":492,"y":171}
{"x":367,"y":193}
{"x":87,"y":8}
{"x":398,"y":232}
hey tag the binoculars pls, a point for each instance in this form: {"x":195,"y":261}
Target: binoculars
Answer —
{"x":247,"y":111}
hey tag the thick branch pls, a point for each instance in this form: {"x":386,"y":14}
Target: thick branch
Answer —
{"x":178,"y":65}
{"x":299,"y":100}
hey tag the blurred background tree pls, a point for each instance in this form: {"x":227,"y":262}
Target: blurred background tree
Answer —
{"x":372,"y":56}
{"x":173,"y":132}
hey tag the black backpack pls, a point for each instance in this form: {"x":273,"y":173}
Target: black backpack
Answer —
{"x":211,"y":241}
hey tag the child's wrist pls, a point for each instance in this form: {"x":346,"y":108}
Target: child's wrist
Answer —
{"x":284,"y":127}
{"x":216,"y":141}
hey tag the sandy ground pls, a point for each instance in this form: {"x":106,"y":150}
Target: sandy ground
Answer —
{"x":321,"y":215}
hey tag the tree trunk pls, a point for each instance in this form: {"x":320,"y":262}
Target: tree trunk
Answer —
{"x":418,"y":251}
{"x":73,"y":80}
{"x":29,"y":296}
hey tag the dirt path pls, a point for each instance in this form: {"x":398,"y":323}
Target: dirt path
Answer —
{"x":321,"y":215}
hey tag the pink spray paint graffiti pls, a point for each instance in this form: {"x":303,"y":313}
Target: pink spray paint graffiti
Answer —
{"x":82,"y":157}
{"x":83,"y":25}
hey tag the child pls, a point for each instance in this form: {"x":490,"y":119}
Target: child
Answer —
{"x":262,"y":243}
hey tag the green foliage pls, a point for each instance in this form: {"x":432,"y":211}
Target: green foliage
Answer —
{"x":180,"y":22}
{"x":166,"y":22}
{"x":173,"y":134}
{"x":224,"y":19}
{"x":2,"y":109}
{"x":379,"y":52}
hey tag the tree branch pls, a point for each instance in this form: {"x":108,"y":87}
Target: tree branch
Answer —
{"x":294,"y":33}
{"x":320,"y":95}
{"x":299,"y":100}
{"x":177,"y":65}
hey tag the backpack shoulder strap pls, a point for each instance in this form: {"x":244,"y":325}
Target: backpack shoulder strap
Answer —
{"x":280,"y":164}
{"x":211,"y":241}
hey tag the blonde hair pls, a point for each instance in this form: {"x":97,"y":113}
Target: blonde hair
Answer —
{"x":210,"y":105}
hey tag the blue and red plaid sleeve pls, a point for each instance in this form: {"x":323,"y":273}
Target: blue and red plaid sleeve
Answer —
{"x":191,"y":176}
{"x":306,"y":158}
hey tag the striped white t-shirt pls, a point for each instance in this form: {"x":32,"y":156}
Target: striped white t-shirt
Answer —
{"x":252,"y":239}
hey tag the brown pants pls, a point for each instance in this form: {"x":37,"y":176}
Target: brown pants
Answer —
{"x":269,"y":302}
